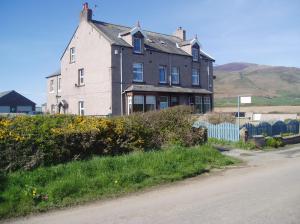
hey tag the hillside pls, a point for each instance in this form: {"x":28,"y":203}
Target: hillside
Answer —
{"x":269,"y":85}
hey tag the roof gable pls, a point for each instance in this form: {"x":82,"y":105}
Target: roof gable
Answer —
{"x":15,"y":99}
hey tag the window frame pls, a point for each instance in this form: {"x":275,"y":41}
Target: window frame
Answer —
{"x":200,"y":103}
{"x":72,"y":55}
{"x":142,"y":72}
{"x":178,"y":74}
{"x":81,"y":109}
{"x":195,"y":54}
{"x":147,"y":97}
{"x":198,"y":77}
{"x":166,"y":74}
{"x":81,"y":81}
{"x":139,"y":51}
{"x":59,"y":84}
{"x":133,"y":103}
{"x":51,"y":86}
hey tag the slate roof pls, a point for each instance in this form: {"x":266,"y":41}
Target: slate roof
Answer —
{"x":5,"y":93}
{"x":56,"y":73}
{"x":169,"y":89}
{"x":153,"y":41}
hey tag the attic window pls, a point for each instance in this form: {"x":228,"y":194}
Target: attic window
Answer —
{"x":195,"y":53}
{"x":137,"y":45}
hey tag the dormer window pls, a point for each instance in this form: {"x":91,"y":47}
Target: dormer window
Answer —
{"x":137,"y":45}
{"x":195,"y":53}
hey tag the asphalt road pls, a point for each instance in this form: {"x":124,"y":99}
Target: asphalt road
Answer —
{"x":265,"y":191}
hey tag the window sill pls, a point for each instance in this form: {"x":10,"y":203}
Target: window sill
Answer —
{"x":196,"y":85}
{"x":77,"y":85}
{"x":175,"y":84}
{"x":72,"y":62}
{"x":141,"y":82}
{"x":138,"y":53}
{"x":163,"y":83}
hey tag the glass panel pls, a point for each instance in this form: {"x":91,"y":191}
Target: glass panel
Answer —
{"x":195,"y":77}
{"x":195,"y":54}
{"x":163,"y":102}
{"x":162,"y":74}
{"x":175,"y":75}
{"x":138,"y":103}
{"x":138,"y":72}
{"x":198,"y":104}
{"x":150,"y":103}
{"x":174,"y":101}
{"x":137,"y":45}
{"x":207,"y":104}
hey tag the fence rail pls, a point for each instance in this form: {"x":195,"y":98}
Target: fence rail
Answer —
{"x":224,"y":131}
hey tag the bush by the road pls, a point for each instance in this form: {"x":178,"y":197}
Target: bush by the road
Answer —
{"x":27,"y":142}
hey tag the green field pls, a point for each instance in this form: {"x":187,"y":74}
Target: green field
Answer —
{"x":260,"y":101}
{"x":24,"y":192}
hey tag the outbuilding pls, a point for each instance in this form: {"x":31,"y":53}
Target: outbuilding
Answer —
{"x":13,"y":102}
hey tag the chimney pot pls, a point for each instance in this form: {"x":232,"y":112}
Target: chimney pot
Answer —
{"x":86,"y":13}
{"x":85,"y":6}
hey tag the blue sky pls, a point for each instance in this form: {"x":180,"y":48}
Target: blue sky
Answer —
{"x":34,"y":33}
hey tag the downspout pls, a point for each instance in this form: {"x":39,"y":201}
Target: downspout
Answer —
{"x":121,"y":82}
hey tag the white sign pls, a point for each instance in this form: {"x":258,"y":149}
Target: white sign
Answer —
{"x":245,"y":99}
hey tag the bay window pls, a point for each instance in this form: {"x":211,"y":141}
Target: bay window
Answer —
{"x":198,"y":104}
{"x":206,"y":104}
{"x":138,"y":103}
{"x":150,"y":103}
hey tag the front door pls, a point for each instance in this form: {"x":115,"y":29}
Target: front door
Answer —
{"x":163,"y":102}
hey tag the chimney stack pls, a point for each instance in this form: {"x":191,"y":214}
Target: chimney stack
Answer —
{"x":180,"y":33}
{"x":86,"y":13}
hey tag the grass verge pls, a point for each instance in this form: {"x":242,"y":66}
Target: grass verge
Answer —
{"x":229,"y":144}
{"x":24,"y":192}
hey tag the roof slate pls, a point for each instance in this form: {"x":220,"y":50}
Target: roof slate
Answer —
{"x":154,"y":41}
{"x":171,"y":89}
{"x":5,"y":93}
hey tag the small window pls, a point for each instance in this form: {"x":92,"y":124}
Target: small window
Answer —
{"x":51,"y":87}
{"x":81,"y":108}
{"x":80,"y":77}
{"x":59,"y":84}
{"x":150,"y":103}
{"x":72,"y":54}
{"x":137,"y":45}
{"x":138,"y":72}
{"x":195,"y":53}
{"x":138,"y":103}
{"x":195,"y":77}
{"x":162,"y":74}
{"x":174,"y":101}
{"x":175,"y":75}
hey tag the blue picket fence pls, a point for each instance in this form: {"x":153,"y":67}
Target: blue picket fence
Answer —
{"x":272,"y":128}
{"x":224,"y":131}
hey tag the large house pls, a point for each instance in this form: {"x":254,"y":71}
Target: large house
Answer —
{"x":13,"y":102}
{"x":109,"y":69}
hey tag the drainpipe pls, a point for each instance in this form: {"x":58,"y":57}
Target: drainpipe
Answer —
{"x":121,"y":82}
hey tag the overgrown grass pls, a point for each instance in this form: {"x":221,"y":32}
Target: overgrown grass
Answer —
{"x":24,"y":192}
{"x":229,"y":144}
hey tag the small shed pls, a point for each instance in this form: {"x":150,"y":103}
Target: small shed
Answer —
{"x":13,"y":102}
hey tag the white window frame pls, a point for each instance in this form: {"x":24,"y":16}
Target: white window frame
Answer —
{"x":59,"y":84}
{"x":197,"y":74}
{"x":81,"y":77}
{"x":141,"y":73}
{"x":140,"y":44}
{"x":72,"y":55}
{"x":195,"y":54}
{"x":177,"y":73}
{"x":81,"y":110}
{"x":165,"y":70}
{"x":51,"y":86}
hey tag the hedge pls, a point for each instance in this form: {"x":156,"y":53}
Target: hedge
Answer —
{"x":27,"y":142}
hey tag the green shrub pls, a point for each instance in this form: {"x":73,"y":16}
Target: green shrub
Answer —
{"x":274,"y":142}
{"x":27,"y":142}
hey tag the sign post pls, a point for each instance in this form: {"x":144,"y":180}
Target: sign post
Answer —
{"x":242,"y":99}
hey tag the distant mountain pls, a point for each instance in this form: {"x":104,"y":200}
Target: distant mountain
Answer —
{"x":239,"y":78}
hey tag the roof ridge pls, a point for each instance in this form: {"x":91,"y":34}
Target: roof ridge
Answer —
{"x":96,"y":21}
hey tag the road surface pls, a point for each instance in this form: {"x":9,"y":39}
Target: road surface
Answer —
{"x":265,"y":191}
